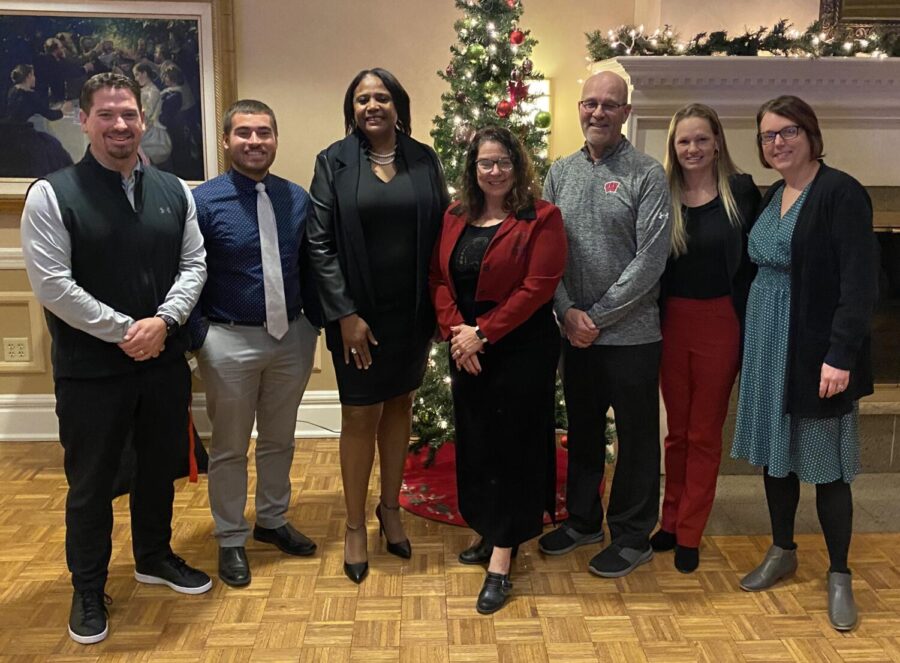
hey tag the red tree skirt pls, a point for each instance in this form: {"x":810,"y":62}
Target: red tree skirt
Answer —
{"x":430,"y":492}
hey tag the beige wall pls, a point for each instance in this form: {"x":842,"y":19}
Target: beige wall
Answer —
{"x":299,"y":56}
{"x":690,"y":17}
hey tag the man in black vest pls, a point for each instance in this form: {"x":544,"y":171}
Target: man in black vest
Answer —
{"x":114,"y":254}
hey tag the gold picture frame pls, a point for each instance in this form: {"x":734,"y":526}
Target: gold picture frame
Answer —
{"x":215,"y":46}
{"x":861,"y":16}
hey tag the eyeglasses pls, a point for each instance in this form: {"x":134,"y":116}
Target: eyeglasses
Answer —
{"x":487,"y":165}
{"x":591,"y":105}
{"x":789,"y":132}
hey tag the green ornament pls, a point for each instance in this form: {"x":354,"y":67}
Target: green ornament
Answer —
{"x":542,"y":120}
{"x":475,"y":52}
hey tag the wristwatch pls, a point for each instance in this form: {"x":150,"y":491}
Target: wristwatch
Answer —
{"x":480,"y":335}
{"x":171,"y":324}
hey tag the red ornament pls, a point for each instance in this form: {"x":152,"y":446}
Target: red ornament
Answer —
{"x":564,"y":441}
{"x":516,"y":37}
{"x":511,"y":4}
{"x":504,"y":108}
{"x":518,"y":91}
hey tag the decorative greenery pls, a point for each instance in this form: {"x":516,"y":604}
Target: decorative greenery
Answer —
{"x":489,"y":75}
{"x":780,"y":40}
{"x":432,"y":423}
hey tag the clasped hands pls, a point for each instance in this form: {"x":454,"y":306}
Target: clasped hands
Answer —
{"x":464,"y":348}
{"x":579,"y":328}
{"x":145,"y":339}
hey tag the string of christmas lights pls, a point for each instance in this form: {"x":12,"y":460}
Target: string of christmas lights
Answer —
{"x":780,"y":40}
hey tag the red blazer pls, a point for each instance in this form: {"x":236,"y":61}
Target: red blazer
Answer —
{"x":521,"y":268}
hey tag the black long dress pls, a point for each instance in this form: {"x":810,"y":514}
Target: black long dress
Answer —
{"x":505,"y":450}
{"x":388,"y":214}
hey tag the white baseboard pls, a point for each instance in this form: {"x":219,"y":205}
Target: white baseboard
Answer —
{"x":32,"y":417}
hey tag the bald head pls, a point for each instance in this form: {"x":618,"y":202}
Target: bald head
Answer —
{"x":603,"y":110}
{"x":608,"y":81}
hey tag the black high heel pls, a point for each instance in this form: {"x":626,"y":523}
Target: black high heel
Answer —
{"x":358,"y":571}
{"x":402,"y":549}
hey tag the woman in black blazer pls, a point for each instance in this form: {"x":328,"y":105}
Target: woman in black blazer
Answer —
{"x":806,"y":348}
{"x":378,"y":197}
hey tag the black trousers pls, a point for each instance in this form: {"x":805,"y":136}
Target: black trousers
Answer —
{"x":95,"y":418}
{"x":625,"y":377}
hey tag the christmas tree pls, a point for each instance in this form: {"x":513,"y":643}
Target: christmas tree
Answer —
{"x":492,"y":81}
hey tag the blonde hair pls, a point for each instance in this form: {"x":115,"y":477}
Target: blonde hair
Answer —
{"x":723,"y":164}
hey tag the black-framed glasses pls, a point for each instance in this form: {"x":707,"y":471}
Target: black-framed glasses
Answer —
{"x":487,"y":165}
{"x":789,"y":132}
{"x":591,"y":105}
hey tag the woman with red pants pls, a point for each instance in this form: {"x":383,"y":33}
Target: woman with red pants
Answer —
{"x":704,"y":295}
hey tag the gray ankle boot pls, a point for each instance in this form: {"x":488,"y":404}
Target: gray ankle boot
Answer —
{"x":841,"y":607}
{"x":777,"y":564}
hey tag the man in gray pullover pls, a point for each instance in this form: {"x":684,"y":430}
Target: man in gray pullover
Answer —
{"x":615,"y":204}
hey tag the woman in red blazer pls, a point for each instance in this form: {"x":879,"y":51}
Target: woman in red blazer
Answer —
{"x":496,"y":266}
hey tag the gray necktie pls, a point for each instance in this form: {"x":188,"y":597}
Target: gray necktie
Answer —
{"x":276,"y":312}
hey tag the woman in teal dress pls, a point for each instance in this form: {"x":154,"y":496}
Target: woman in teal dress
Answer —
{"x":807,"y":357}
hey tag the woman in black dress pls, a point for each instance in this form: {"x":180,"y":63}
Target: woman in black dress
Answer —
{"x":501,"y":255}
{"x":378,"y":200}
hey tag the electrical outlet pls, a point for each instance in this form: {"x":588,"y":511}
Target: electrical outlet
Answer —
{"x":16,"y":350}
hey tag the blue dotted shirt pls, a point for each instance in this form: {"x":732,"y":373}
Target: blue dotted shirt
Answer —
{"x":226,"y":212}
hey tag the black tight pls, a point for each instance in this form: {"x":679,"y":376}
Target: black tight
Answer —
{"x":834,"y":505}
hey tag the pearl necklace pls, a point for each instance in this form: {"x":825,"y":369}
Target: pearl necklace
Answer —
{"x":382,"y":159}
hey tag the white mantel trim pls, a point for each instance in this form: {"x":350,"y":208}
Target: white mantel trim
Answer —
{"x":858,"y":87}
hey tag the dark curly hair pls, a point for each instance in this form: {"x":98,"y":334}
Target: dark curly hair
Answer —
{"x":524,"y":189}
{"x":398,"y":95}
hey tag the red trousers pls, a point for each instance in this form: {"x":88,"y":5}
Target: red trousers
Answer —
{"x":700,"y":358}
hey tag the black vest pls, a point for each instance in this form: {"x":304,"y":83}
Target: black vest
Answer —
{"x":126,"y":258}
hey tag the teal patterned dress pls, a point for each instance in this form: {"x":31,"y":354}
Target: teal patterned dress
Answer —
{"x":816,"y":450}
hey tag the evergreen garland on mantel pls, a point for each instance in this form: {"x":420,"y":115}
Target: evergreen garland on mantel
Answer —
{"x":780,"y":40}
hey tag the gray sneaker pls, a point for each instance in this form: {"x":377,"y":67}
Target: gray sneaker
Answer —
{"x":565,"y":539}
{"x":777,"y":564}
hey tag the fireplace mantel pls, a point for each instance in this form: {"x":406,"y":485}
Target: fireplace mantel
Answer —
{"x":857,"y":101}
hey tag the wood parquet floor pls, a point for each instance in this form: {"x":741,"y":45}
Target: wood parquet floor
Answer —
{"x":421,"y":610}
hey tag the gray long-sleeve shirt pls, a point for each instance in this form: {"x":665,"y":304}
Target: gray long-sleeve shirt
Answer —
{"x":616,"y":212}
{"x":47,"y":250}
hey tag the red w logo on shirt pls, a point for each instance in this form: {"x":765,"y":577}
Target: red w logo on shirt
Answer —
{"x":611,"y":187}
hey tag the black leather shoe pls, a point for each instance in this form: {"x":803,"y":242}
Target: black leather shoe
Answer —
{"x":234,"y":569}
{"x":403,"y":548}
{"x":480,"y":553}
{"x":286,"y":539}
{"x":494,"y":593}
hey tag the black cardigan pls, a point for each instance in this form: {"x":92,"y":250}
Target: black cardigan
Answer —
{"x":337,"y":246}
{"x":834,"y":285}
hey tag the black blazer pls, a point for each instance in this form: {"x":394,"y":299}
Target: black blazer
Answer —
{"x":834,"y":286}
{"x":337,"y":247}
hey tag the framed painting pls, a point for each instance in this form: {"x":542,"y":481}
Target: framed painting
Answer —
{"x":861,"y":16}
{"x":180,"y":53}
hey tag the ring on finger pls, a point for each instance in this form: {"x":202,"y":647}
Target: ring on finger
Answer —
{"x":353,"y":351}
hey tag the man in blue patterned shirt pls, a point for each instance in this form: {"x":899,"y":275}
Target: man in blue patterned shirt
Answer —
{"x":256,"y":339}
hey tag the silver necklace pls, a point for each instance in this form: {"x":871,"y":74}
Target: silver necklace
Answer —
{"x":382,"y":159}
